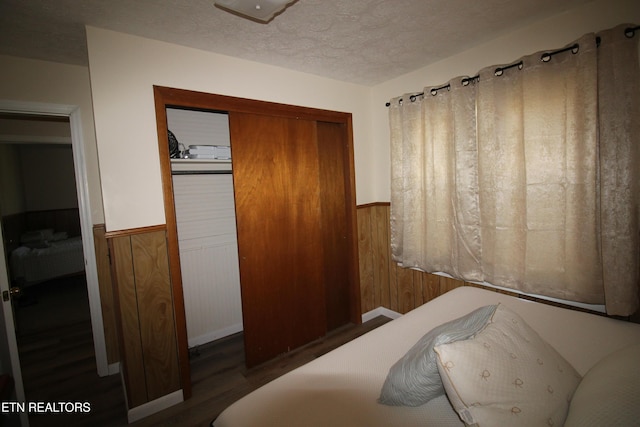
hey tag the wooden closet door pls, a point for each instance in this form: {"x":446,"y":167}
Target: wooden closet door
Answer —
{"x":335,"y":227}
{"x":278,"y":215}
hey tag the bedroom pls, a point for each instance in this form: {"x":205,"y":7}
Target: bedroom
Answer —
{"x":42,"y":236}
{"x":125,"y":121}
{"x":39,"y":198}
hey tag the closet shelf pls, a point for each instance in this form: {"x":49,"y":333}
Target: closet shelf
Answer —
{"x":186,"y":161}
{"x":200,"y":165}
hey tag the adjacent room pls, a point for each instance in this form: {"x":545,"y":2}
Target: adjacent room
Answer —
{"x":312,"y":212}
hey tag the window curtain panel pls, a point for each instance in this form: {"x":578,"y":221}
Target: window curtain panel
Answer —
{"x":619,"y":125}
{"x":435,"y":219}
{"x":538,"y":165}
{"x":527,"y":177}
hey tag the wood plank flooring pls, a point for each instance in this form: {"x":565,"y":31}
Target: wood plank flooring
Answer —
{"x":57,"y":356}
{"x":219,"y":376}
{"x":58,"y":365}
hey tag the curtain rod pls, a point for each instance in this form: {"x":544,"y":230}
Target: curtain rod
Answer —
{"x":545,"y":57}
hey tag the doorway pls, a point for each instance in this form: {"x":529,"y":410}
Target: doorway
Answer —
{"x":70,"y":115}
{"x":42,"y":237}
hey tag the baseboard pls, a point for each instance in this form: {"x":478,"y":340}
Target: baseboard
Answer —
{"x":157,"y":405}
{"x":220,"y":333}
{"x":113,"y":368}
{"x":380,"y":311}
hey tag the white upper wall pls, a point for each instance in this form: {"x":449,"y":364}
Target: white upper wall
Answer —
{"x":123,"y":71}
{"x":124,"y":68}
{"x":42,"y":82}
{"x":548,"y":34}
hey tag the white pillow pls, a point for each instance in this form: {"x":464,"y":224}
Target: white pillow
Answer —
{"x":59,"y":235}
{"x":507,"y":375}
{"x":36,"y":236}
{"x":609,"y":394}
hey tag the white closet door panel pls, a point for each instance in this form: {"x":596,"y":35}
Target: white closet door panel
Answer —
{"x":205,"y":209}
{"x":211,"y":295}
{"x":205,"y":215}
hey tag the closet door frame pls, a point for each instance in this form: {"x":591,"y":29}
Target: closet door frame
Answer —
{"x":179,"y":98}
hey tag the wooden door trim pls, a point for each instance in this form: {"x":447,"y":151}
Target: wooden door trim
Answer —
{"x":132,"y":231}
{"x":350,"y":193}
{"x":172,"y":97}
{"x":180,"y":317}
{"x":180,"y":98}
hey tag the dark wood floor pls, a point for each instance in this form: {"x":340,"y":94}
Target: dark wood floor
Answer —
{"x":57,"y":357}
{"x":59,"y":365}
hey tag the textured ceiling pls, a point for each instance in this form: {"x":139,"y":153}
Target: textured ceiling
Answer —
{"x":360,"y":41}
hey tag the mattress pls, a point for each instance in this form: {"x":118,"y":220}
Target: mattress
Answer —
{"x":59,"y":258}
{"x":341,"y":388}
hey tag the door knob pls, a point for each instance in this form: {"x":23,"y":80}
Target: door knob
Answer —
{"x":11,"y":293}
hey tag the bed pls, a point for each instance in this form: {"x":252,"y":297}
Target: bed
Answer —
{"x":44,"y":255}
{"x":344,"y":387}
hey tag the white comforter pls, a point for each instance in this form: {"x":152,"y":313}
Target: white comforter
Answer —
{"x":59,"y":258}
{"x":341,"y":388}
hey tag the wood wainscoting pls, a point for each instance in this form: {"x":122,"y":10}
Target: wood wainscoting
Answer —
{"x":14,"y":225}
{"x":144,"y":314}
{"x":382,"y":282}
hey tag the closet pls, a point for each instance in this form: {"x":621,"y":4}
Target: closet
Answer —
{"x":295,"y":218}
{"x":205,"y":217}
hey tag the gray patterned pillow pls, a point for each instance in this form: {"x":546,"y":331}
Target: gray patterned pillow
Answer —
{"x":414,"y":379}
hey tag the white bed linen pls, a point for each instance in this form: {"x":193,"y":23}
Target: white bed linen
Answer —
{"x":60,"y":258}
{"x":341,"y":388}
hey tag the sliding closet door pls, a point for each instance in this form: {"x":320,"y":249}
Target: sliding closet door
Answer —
{"x":333,"y":181}
{"x":280,"y":244}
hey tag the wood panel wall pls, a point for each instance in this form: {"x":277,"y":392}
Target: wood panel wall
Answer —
{"x":58,"y":219}
{"x":144,"y":314}
{"x":384,"y":284}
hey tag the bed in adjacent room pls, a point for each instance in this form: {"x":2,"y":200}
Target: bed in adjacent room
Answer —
{"x":44,"y":255}
{"x":470,"y":354}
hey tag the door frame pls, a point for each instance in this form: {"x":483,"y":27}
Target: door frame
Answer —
{"x":10,"y":335}
{"x":181,"y":98}
{"x":86,"y":225}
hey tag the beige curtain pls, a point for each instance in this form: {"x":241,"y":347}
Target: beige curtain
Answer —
{"x":537,"y":139}
{"x":619,"y":124}
{"x":526,"y":179}
{"x":435,"y":219}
